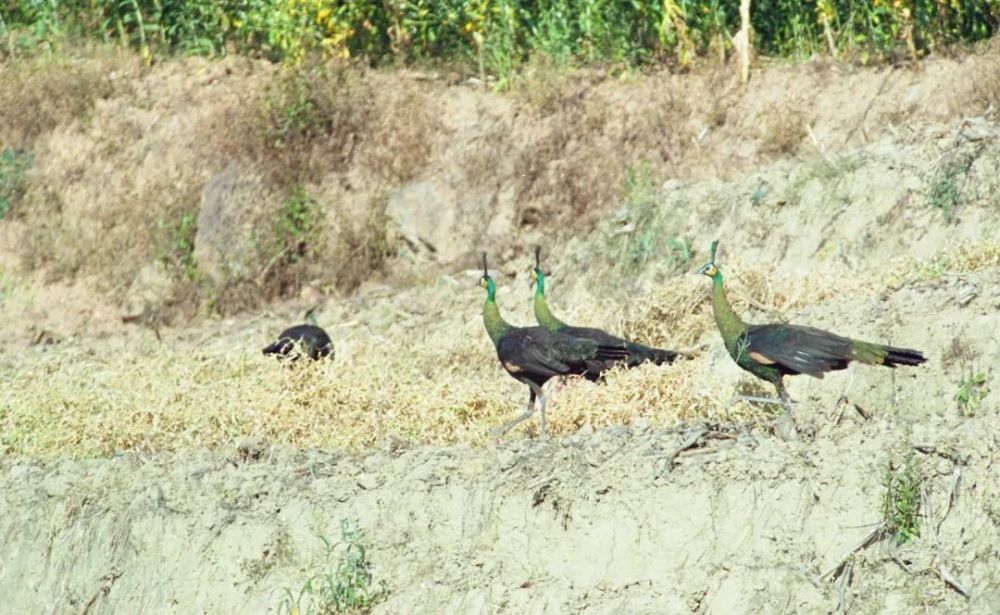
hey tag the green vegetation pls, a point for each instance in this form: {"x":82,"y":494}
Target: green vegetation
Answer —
{"x":971,"y":391}
{"x":296,"y":225}
{"x":179,"y":244}
{"x":344,"y":583}
{"x":13,"y":166}
{"x":498,"y":35}
{"x":645,"y":236}
{"x":946,"y":187}
{"x":901,"y":502}
{"x":307,"y":114}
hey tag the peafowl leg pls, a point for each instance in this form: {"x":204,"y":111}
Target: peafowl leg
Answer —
{"x":786,"y":427}
{"x":537,"y":390}
{"x":783,"y":398}
{"x":757,"y":400}
{"x":499,"y":431}
{"x":786,"y":399}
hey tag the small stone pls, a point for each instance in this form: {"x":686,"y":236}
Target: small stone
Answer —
{"x":966,"y":294}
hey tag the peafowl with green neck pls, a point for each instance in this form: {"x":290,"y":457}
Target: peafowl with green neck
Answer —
{"x":774,"y":351}
{"x":637,"y":353}
{"x":309,"y":340}
{"x":534,"y":355}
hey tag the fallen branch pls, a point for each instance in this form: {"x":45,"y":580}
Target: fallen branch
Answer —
{"x":930,"y":449}
{"x":845,"y":580}
{"x":691,"y":440}
{"x":950,"y":580}
{"x":956,"y":476}
{"x":875,"y":535}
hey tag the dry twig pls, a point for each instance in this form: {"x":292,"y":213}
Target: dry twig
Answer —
{"x":692,"y":439}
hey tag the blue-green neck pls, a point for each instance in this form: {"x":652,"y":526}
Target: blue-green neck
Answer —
{"x":543,"y":314}
{"x":496,"y":326}
{"x":730,"y":325}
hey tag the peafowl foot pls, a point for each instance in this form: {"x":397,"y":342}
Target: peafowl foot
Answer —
{"x":498,"y":432}
{"x":785,"y":427}
{"x":761,"y":400}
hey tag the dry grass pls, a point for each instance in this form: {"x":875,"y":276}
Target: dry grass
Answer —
{"x":414,"y":365}
{"x":782,"y":132}
{"x":407,"y":126}
{"x":308,"y":120}
{"x":39,"y":94}
{"x":986,"y":87}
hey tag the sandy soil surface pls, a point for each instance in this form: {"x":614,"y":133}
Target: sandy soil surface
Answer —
{"x":178,"y":471}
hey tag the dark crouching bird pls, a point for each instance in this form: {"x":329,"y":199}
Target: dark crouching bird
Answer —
{"x":534,"y":355}
{"x":637,"y":353}
{"x":309,"y":340}
{"x":774,"y":351}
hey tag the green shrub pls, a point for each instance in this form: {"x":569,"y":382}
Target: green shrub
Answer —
{"x":178,"y":241}
{"x":971,"y":391}
{"x":647,"y":233}
{"x":902,"y":499}
{"x":344,"y":582}
{"x":503,"y":33}
{"x":14,"y":164}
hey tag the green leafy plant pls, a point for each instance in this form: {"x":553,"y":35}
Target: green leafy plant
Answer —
{"x":946,"y":187}
{"x":296,"y":224}
{"x":902,"y":499}
{"x":971,"y":391}
{"x":14,"y":165}
{"x":646,"y":234}
{"x":179,"y":244}
{"x":344,"y":584}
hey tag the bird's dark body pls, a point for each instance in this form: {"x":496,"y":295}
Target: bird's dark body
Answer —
{"x":537,"y":354}
{"x":637,"y":354}
{"x":773,"y":351}
{"x":313,"y":341}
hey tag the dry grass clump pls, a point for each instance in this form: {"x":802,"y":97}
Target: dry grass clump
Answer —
{"x":429,"y":390}
{"x":966,"y":258}
{"x":308,"y":121}
{"x":44,"y":92}
{"x":82,"y":404}
{"x":401,"y":136}
{"x":782,"y":132}
{"x":986,"y":86}
{"x":567,"y":164}
{"x":413,"y":364}
{"x":666,"y":395}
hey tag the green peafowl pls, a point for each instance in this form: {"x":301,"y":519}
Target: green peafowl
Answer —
{"x":309,"y":339}
{"x":637,"y":353}
{"x":774,"y":351}
{"x":534,"y":355}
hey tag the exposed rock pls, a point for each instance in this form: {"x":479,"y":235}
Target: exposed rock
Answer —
{"x":229,"y":203}
{"x":150,"y":289}
{"x":424,"y":214}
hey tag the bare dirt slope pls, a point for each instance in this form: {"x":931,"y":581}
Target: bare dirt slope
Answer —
{"x":177,"y":470}
{"x":747,"y":524}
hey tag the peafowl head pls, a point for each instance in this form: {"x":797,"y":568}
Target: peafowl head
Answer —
{"x":486,"y":281}
{"x":709,"y":268}
{"x":537,"y":277}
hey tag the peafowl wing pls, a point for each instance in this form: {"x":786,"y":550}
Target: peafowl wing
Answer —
{"x":794,"y":349}
{"x":542,"y":353}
